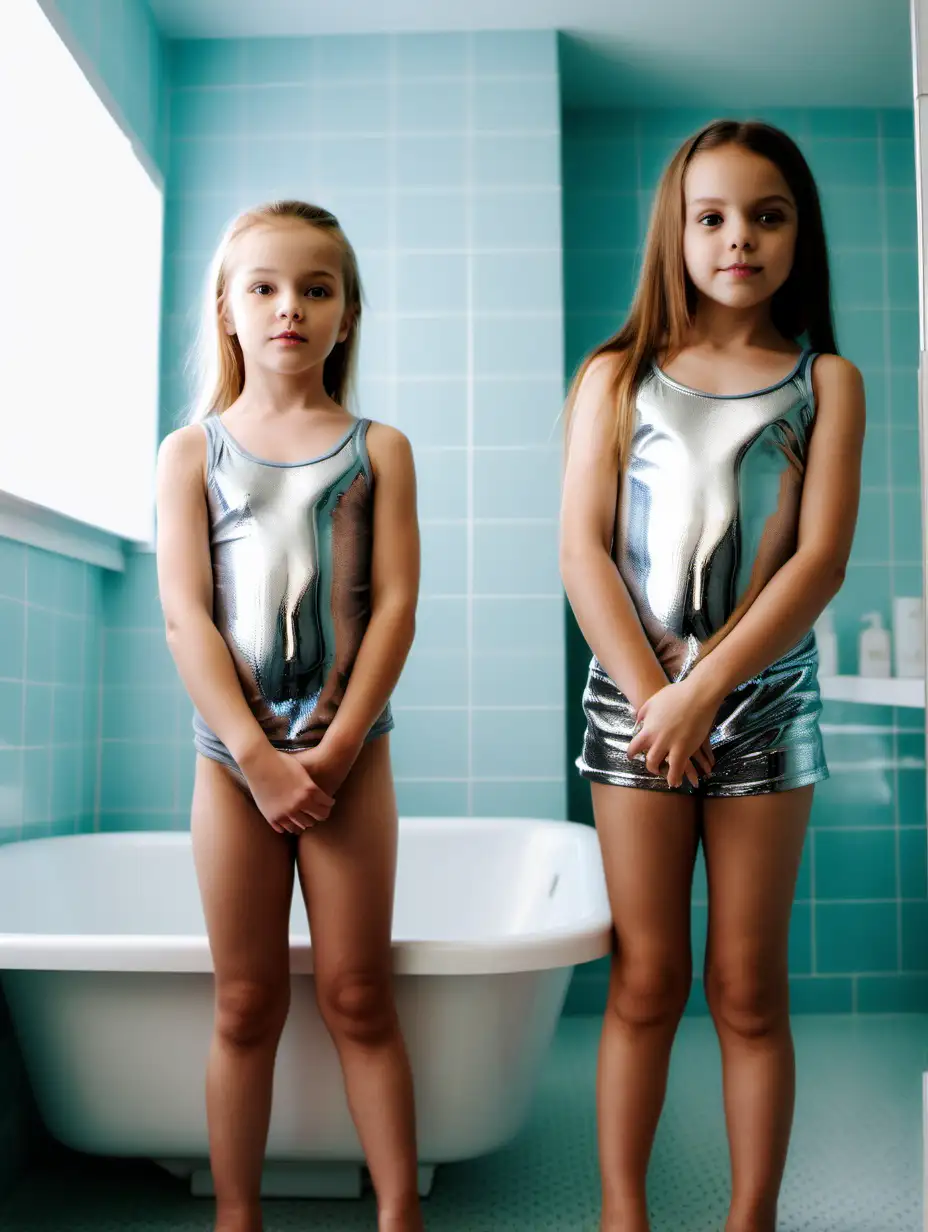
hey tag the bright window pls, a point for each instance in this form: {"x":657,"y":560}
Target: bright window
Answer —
{"x":81,"y":228}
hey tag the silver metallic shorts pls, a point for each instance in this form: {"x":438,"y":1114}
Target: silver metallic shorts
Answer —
{"x":766,"y":736}
{"x":207,"y":743}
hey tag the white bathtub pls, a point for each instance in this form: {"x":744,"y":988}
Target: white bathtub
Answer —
{"x":106,"y":968}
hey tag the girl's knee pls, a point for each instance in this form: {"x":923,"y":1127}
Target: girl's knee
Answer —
{"x":358,"y":1005}
{"x":251,"y":1012}
{"x":747,"y":998}
{"x":649,"y":992}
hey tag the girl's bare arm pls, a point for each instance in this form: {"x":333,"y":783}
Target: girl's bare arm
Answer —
{"x":394,"y":595}
{"x":597,"y":594}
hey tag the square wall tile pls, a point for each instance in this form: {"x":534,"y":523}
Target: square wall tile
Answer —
{"x":430,"y":744}
{"x":517,"y":282}
{"x":861,"y":814}
{"x":508,"y":624}
{"x":441,"y":798}
{"x":432,"y":678}
{"x":501,"y":160}
{"x":136,"y":776}
{"x":892,"y":994}
{"x":516,"y":105}
{"x":915,"y":936}
{"x":855,"y":864}
{"x":516,"y":558}
{"x":431,"y":55}
{"x":519,"y":346}
{"x":12,"y":639}
{"x":538,"y":748}
{"x":531,"y":798}
{"x":514,"y":53}
{"x":514,"y":679}
{"x":432,"y":105}
{"x":442,"y":483}
{"x":12,"y":569}
{"x":513,"y":219}
{"x":11,"y":713}
{"x":435,"y":219}
{"x":524,"y":484}
{"x":521,"y":411}
{"x":431,"y":161}
{"x":856,"y":937}
{"x":444,"y":559}
{"x":357,"y":58}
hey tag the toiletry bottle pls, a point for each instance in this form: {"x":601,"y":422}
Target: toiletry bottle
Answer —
{"x":827,"y":642}
{"x":875,"y":657}
{"x":909,"y":637}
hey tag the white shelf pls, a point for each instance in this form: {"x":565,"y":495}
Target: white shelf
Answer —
{"x":873,"y":692}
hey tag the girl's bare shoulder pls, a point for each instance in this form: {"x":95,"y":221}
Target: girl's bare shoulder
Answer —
{"x":387,"y":446}
{"x":183,"y":450}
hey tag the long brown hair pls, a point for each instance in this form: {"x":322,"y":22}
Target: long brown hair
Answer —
{"x":664,"y":306}
{"x":217,"y":356}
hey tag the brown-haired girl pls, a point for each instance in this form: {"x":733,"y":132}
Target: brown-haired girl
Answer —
{"x":710,"y":499}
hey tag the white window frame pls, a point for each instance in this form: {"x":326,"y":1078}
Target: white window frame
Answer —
{"x":21,"y":520}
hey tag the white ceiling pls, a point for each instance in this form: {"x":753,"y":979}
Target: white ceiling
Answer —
{"x":729,"y":53}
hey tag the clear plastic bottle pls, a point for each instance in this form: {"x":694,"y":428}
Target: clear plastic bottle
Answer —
{"x":875,"y":648}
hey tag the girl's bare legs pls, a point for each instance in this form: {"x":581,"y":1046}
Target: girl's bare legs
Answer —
{"x":753,"y":848}
{"x":245,"y":871}
{"x":347,"y":866}
{"x":649,"y":841}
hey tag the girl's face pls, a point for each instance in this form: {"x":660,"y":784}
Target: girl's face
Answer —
{"x":285,"y":277}
{"x":739,"y":213}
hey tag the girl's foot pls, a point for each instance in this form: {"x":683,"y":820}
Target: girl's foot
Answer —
{"x":752,"y":1223}
{"x":407,"y":1218}
{"x":626,"y":1220}
{"x":246,"y":1218}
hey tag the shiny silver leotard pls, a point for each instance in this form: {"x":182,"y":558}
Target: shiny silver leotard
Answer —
{"x":291,"y":555}
{"x":708,"y":512}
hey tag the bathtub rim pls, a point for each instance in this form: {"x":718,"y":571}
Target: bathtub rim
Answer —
{"x":587,"y":938}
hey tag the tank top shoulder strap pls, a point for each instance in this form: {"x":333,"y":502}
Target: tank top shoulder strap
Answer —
{"x":804,"y":372}
{"x":213,"y":430}
{"x":360,"y":435}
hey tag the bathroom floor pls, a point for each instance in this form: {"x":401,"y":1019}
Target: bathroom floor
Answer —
{"x":855,"y":1162}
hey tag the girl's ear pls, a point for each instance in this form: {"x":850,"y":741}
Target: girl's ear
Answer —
{"x":225,"y":316}
{"x":346,"y":325}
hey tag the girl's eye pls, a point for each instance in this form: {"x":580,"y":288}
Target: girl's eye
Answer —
{"x":323,"y":292}
{"x":770,"y":217}
{"x":261,"y":287}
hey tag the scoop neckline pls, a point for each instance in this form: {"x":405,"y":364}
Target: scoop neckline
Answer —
{"x":253,"y":457}
{"x":753,"y":393}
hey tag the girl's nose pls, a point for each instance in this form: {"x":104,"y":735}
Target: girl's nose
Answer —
{"x":743,"y":238}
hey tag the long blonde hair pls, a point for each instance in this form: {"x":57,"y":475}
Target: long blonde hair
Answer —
{"x":217,"y":358}
{"x":664,"y":306}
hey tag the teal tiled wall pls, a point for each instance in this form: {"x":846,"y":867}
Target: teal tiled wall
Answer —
{"x":49,"y":692}
{"x":51,"y":606}
{"x":441,"y":156}
{"x":861,"y":916}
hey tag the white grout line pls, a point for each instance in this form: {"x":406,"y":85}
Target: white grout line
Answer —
{"x":469,"y":247}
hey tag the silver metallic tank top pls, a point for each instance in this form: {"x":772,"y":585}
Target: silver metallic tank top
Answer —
{"x":709,"y":505}
{"x":291,"y":547}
